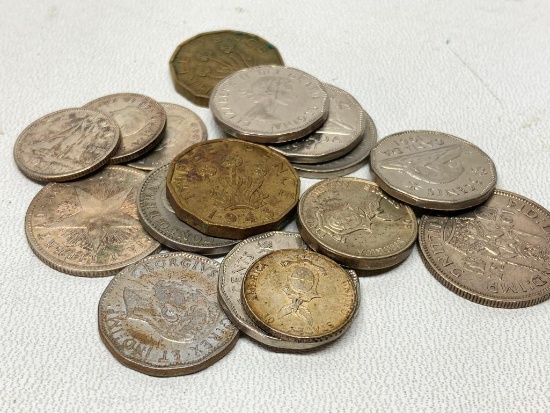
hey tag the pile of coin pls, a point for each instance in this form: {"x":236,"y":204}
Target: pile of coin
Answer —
{"x":178,"y":312}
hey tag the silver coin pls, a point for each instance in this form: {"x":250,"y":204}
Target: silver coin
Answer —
{"x":183,"y":129}
{"x":160,"y":316}
{"x":232,"y":271}
{"x":269,"y":104}
{"x":346,"y":164}
{"x":341,"y":132}
{"x":159,"y":220}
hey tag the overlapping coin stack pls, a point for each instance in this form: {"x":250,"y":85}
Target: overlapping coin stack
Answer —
{"x":176,"y":313}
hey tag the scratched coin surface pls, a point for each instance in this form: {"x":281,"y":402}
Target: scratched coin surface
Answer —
{"x":299,"y":295}
{"x":160,"y":221}
{"x":497,"y":254}
{"x":433,"y":170}
{"x":341,"y":132}
{"x":183,"y":129}
{"x":353,"y":222}
{"x":232,"y":271}
{"x":346,"y":164}
{"x":199,"y":63}
{"x":141,"y":121}
{"x":230,"y":188}
{"x":161,"y":317}
{"x":66,"y":144}
{"x":89,"y":227}
{"x":269,"y":104}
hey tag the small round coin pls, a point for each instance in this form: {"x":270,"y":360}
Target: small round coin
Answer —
{"x":269,"y":104}
{"x":230,"y":188}
{"x":353,"y":222}
{"x":199,"y":63}
{"x":160,"y":221}
{"x":141,"y":121}
{"x":433,"y":170}
{"x":299,"y":295}
{"x":160,"y":316}
{"x":89,"y":227}
{"x":183,"y":129}
{"x":497,"y":254}
{"x":66,"y":144}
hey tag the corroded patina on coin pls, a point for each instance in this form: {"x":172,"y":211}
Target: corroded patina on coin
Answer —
{"x":353,"y":222}
{"x":269,"y":104}
{"x":497,"y":254}
{"x":199,"y":63}
{"x":89,"y":227}
{"x":299,"y":295}
{"x":433,"y":170}
{"x":141,"y":121}
{"x":183,"y":129}
{"x":161,"y":317}
{"x":66,"y":144}
{"x":160,"y":221}
{"x":229,"y":188}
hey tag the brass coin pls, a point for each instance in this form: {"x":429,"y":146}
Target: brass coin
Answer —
{"x":497,"y":254}
{"x":141,"y":121}
{"x":299,"y":295}
{"x":199,"y":63}
{"x":160,"y":316}
{"x":66,"y":144}
{"x":229,"y":188}
{"x":89,"y":227}
{"x":353,"y":222}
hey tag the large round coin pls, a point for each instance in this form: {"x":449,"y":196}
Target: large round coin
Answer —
{"x":229,"y":188}
{"x":433,"y":170}
{"x":299,"y":295}
{"x":497,"y":254}
{"x":199,"y":63}
{"x":161,"y":317}
{"x":269,"y":104}
{"x":160,"y":221}
{"x":89,"y":227}
{"x":141,"y":121}
{"x":353,"y":222}
{"x":66,"y":145}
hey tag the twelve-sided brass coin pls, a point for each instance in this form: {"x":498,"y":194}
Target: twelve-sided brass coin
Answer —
{"x":233,"y":189}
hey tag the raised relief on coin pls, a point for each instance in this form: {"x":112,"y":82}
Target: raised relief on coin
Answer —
{"x":199,"y":63}
{"x":66,"y":145}
{"x":160,"y":316}
{"x":232,"y":189}
{"x":269,"y":104}
{"x":433,"y":170}
{"x":497,"y":254}
{"x":89,"y":227}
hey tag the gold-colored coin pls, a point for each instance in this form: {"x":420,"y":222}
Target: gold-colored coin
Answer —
{"x":230,"y":188}
{"x":299,"y":295}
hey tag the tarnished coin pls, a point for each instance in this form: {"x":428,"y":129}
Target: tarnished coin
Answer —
{"x":346,"y":164}
{"x":199,"y":63}
{"x":141,"y":121}
{"x":269,"y":104}
{"x":299,"y":295}
{"x":232,"y":189}
{"x":232,"y":271}
{"x":161,"y":317}
{"x":89,"y":227}
{"x":341,"y":132}
{"x":433,"y":170}
{"x":353,"y":222}
{"x":183,"y":129}
{"x":66,"y":144}
{"x":160,"y":221}
{"x":497,"y":254}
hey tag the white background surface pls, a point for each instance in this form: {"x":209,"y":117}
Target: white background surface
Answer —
{"x":478,"y":69}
